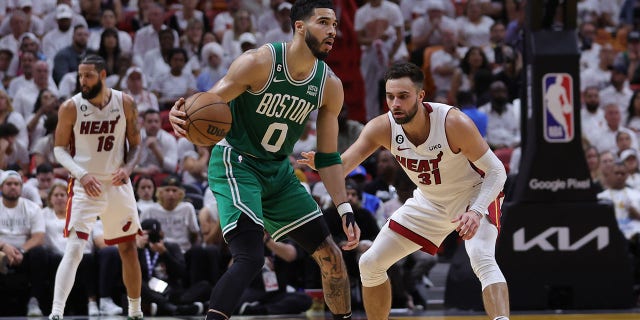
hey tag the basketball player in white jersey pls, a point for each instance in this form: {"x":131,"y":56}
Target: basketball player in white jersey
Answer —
{"x":440,"y":148}
{"x":94,"y":129}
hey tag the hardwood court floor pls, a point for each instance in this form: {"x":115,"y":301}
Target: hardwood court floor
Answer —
{"x":633,"y":314}
{"x":578,"y":315}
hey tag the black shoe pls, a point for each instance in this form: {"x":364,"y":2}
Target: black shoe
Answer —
{"x":193,"y":309}
{"x":254,"y":308}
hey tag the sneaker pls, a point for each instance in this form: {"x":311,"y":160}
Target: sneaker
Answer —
{"x":93,"y":309}
{"x":33,"y":309}
{"x":187,"y":310}
{"x":56,"y":317}
{"x":255,"y":309}
{"x":247,"y":306}
{"x":108,"y":308}
{"x":427,"y":282}
{"x":153,"y":309}
{"x":135,"y":318}
{"x":200,"y":306}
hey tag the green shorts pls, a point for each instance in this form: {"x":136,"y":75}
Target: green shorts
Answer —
{"x":268,"y":192}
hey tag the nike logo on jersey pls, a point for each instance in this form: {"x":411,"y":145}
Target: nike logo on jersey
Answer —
{"x":88,"y":114}
{"x":402,"y":149}
{"x":277,"y":80}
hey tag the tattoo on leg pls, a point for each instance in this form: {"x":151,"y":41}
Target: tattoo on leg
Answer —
{"x":335,"y":282}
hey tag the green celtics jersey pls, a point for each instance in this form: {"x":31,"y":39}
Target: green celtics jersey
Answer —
{"x":267,"y":123}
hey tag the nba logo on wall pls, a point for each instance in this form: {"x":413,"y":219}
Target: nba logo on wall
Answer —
{"x":557,"y":105}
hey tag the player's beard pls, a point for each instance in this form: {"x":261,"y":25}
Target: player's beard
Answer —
{"x":11,"y":196}
{"x":93,"y":91}
{"x":410,"y":114}
{"x":314,"y":45}
{"x":592,"y":107}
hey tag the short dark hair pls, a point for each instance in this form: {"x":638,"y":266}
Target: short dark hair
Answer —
{"x":148,"y":112}
{"x":7,"y":52}
{"x":167,"y":31}
{"x":95,"y":60}
{"x":78,"y":26}
{"x":44,"y":168}
{"x":351,"y":184}
{"x":175,"y":51}
{"x":465,"y":98}
{"x":303,"y":9}
{"x":8,"y":130}
{"x":405,"y":69}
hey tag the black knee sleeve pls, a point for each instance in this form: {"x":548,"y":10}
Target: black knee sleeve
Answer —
{"x":311,"y":234}
{"x":247,"y":249}
{"x":246,"y":246}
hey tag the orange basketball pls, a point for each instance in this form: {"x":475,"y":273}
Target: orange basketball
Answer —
{"x":208,"y":118}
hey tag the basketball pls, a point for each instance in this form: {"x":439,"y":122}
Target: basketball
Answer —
{"x":208,"y":118}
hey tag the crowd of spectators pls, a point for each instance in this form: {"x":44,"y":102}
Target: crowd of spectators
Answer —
{"x":157,"y":51}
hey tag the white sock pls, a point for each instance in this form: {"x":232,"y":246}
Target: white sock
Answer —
{"x":501,"y":318}
{"x":66,"y":274}
{"x":134,"y":307}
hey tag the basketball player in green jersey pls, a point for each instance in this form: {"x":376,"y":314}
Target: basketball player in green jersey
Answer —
{"x":271,"y":91}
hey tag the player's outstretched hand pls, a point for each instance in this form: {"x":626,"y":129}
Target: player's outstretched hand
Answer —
{"x":177,"y":118}
{"x":351,"y":229}
{"x":91,"y":185}
{"x":468,"y":224}
{"x":309,"y":159}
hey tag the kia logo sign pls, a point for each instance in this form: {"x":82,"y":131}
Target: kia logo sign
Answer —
{"x":558,"y":239}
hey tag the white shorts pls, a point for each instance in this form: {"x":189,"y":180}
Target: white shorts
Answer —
{"x":116,"y":207}
{"x":428,"y":224}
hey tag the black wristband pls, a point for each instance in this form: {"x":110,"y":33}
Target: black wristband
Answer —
{"x":351,"y":219}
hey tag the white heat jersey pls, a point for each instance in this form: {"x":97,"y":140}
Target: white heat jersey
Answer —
{"x":441,"y":175}
{"x":99,"y":136}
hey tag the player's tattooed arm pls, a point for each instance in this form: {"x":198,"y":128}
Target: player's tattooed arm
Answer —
{"x":133,"y":133}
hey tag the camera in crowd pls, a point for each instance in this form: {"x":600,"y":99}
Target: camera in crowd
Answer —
{"x":153,"y":228}
{"x":154,"y":236}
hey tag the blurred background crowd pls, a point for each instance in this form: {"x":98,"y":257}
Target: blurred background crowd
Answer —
{"x":158,"y":51}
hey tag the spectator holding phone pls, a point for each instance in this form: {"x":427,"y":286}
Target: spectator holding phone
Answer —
{"x":163,"y":269}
